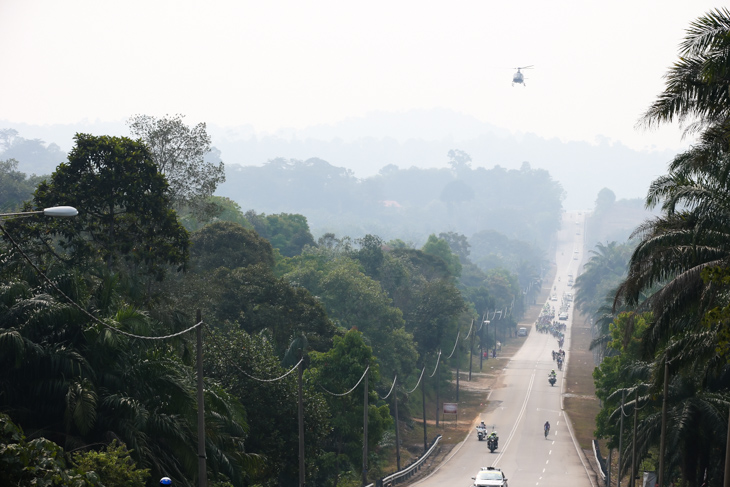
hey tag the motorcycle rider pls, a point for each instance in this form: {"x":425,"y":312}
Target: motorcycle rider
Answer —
{"x":493,"y":436}
{"x":547,"y":428}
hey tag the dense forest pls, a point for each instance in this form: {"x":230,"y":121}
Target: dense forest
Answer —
{"x":98,"y":316}
{"x":409,"y":203}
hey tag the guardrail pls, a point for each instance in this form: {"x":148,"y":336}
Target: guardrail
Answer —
{"x":600,"y":460}
{"x":407,"y":472}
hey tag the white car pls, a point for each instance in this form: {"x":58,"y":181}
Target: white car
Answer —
{"x":563,"y":316}
{"x":490,"y":476}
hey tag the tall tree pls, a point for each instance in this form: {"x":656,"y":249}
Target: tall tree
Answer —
{"x":180,"y":153}
{"x":124,"y":217}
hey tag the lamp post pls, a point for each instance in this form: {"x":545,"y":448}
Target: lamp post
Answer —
{"x":54,"y":211}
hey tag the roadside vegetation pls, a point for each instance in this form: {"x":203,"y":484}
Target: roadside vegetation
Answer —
{"x":97,"y":314}
{"x":659,"y":303}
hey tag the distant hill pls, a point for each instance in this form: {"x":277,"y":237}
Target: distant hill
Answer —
{"x":419,"y":138}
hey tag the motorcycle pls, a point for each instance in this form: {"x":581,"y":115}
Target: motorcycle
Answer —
{"x":552,"y":380}
{"x":481,"y":432}
{"x":492,"y":443}
{"x":560,"y":363}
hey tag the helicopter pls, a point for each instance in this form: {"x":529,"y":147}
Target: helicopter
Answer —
{"x":518,"y":77}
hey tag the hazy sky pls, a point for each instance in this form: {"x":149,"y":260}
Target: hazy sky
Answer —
{"x":293,"y":64}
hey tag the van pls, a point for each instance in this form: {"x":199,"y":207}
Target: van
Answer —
{"x":522,"y":332}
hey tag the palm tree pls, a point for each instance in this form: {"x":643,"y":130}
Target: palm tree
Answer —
{"x":696,"y":92}
{"x":70,"y":379}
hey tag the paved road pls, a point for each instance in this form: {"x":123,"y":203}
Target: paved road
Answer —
{"x":524,"y":400}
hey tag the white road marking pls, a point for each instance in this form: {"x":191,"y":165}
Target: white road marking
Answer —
{"x":517,"y":422}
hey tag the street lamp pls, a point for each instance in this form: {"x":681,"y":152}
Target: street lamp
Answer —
{"x":54,"y":211}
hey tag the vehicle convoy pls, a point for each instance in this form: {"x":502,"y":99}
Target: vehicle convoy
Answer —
{"x":490,"y":476}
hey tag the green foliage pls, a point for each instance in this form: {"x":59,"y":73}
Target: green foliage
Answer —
{"x":226,"y":244}
{"x":287,"y":232}
{"x":257,"y":300}
{"x":612,"y":375}
{"x":354,"y":300}
{"x":601,"y":275}
{"x":224,"y":209}
{"x":113,"y":465}
{"x":37,"y":462}
{"x":273,"y":404}
{"x":338,"y":370}
{"x":440,"y":248}
{"x":124,"y":215}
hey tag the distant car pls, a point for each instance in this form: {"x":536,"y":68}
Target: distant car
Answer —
{"x":522,"y":332}
{"x":553,"y":298}
{"x":490,"y":476}
{"x":563,"y":316}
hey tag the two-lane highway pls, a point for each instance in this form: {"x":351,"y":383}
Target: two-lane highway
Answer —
{"x":524,"y":399}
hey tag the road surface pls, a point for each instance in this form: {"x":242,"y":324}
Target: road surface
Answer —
{"x":524,"y":400}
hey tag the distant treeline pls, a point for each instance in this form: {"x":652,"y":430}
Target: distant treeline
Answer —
{"x":409,"y":203}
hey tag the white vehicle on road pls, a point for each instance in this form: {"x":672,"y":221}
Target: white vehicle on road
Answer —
{"x":490,"y":476}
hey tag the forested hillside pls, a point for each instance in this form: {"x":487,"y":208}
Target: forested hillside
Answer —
{"x":408,"y":203}
{"x":98,"y":315}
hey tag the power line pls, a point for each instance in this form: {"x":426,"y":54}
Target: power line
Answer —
{"x":391,"y":388}
{"x":77,"y":306}
{"x":419,"y":381}
{"x":470,"y":327}
{"x":438,"y":359}
{"x":348,"y":392}
{"x":455,"y":344}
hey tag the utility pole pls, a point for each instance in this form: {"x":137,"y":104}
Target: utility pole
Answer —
{"x":202,"y":468}
{"x":471,"y":349}
{"x":481,"y":344}
{"x":662,"y":441}
{"x":482,"y":340}
{"x":494,"y":352}
{"x":438,"y":389}
{"x":620,"y":439}
{"x":632,"y":482}
{"x":726,"y":482}
{"x":397,"y":436}
{"x":300,"y":412}
{"x":423,"y":401}
{"x":365,"y":432}
{"x":457,"y":367}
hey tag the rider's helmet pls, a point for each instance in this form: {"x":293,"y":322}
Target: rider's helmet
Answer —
{"x":552,"y":371}
{"x":165,"y":481}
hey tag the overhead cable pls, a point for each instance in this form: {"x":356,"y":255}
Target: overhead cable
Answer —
{"x":348,"y":392}
{"x":395,"y":379}
{"x":437,"y":364}
{"x":419,"y":381}
{"x":470,"y":327}
{"x":455,"y":344}
{"x":77,"y":306}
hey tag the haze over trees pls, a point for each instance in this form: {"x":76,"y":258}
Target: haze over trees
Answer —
{"x":89,"y":343}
